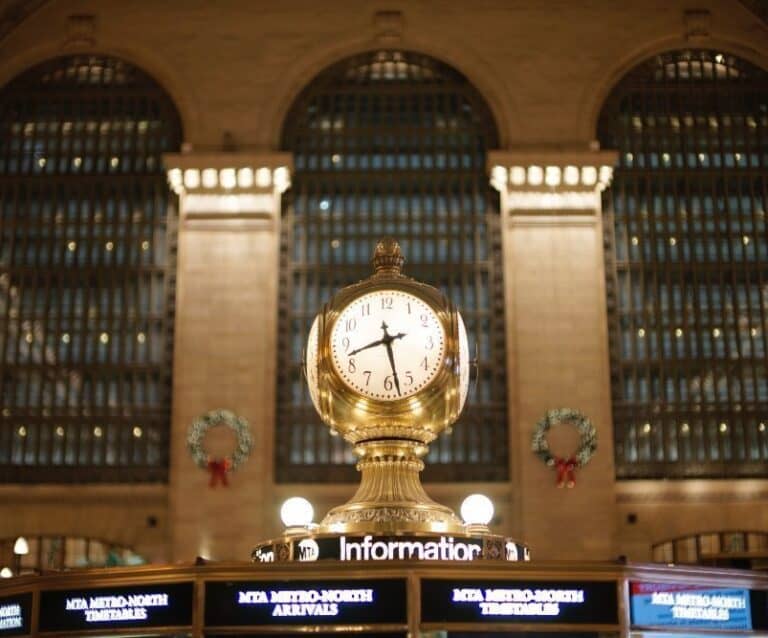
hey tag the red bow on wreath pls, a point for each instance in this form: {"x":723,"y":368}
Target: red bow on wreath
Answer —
{"x":218,"y":469}
{"x":566,"y":471}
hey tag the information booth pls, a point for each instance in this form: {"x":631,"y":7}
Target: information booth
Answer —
{"x":389,"y":598}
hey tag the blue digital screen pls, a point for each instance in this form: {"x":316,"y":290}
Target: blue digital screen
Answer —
{"x":671,"y":605}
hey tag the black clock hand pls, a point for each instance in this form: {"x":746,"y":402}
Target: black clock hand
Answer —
{"x":370,"y":345}
{"x":387,"y":340}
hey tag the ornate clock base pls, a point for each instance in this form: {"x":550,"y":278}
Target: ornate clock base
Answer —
{"x":390,"y":498}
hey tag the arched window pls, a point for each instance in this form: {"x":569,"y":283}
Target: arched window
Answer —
{"x":87,"y":261}
{"x":687,"y":264}
{"x":391,"y":143}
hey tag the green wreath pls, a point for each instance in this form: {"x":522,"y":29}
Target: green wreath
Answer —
{"x":212,"y":419}
{"x":566,"y":465}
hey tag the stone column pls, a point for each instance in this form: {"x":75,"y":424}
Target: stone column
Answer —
{"x":557,"y":344}
{"x":225,"y":342}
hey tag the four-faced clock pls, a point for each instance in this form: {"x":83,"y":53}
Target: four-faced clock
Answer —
{"x":387,"y":345}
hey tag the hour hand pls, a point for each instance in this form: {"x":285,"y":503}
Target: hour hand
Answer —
{"x":365,"y":347}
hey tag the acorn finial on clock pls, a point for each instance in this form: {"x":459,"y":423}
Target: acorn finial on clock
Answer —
{"x":387,"y":257}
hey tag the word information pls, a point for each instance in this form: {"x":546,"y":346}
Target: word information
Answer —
{"x":443,"y":549}
{"x":316,"y":603}
{"x":14,"y":615}
{"x":527,"y":602}
{"x":669,"y":605}
{"x":120,"y":607}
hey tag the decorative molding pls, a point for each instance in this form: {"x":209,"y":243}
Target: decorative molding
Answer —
{"x":551,"y":182}
{"x":216,"y":188}
{"x":389,"y":27}
{"x":81,"y":31}
{"x":691,"y":491}
{"x":697,"y":24}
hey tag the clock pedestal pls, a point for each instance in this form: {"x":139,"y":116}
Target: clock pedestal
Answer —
{"x":390,"y":498}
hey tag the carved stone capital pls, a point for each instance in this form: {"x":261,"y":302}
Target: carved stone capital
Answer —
{"x":215,"y":188}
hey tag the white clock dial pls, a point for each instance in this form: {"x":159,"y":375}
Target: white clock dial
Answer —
{"x":387,"y":345}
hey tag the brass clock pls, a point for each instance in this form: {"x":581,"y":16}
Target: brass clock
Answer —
{"x":388,"y":368}
{"x":389,"y":353}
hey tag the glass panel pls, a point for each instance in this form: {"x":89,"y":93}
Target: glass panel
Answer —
{"x":686,"y":551}
{"x":87,"y":230}
{"x":391,"y":143}
{"x":687,"y":267}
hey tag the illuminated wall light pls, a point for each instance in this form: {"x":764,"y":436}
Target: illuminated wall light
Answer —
{"x":263,"y":177}
{"x":59,"y":431}
{"x":335,"y":158}
{"x":109,"y":246}
{"x":753,"y":332}
{"x":41,"y":162}
{"x":240,"y":203}
{"x":21,"y":547}
{"x":552,"y":175}
{"x":685,"y":428}
{"x":477,"y":509}
{"x":104,"y":337}
{"x":606,"y":173}
{"x":114,"y":162}
{"x":678,"y":332}
{"x":192,"y":178}
{"x":647,"y":428}
{"x":716,"y":332}
{"x":723,"y":428}
{"x":174,"y":178}
{"x":29,"y":337}
{"x":137,"y":432}
{"x":498,"y":176}
{"x":635,"y":241}
{"x":245,"y":177}
{"x":77,"y":161}
{"x":571,"y":175}
{"x":65,"y":337}
{"x":673,"y":241}
{"x":745,"y":240}
{"x":517,"y":175}
{"x":210,"y":178}
{"x":282,"y":179}
{"x":588,"y":175}
{"x":297,"y":512}
{"x":761,"y":427}
{"x":641,"y":332}
{"x":535,"y":175}
{"x":22,"y":431}
{"x":141,"y":337}
{"x":6,"y":572}
{"x":72,"y":246}
{"x":145,"y":245}
{"x":97,"y":432}
{"x":227,"y":178}
{"x":719,"y":58}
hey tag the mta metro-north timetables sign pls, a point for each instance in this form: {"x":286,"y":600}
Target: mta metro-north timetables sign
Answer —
{"x":690,"y":606}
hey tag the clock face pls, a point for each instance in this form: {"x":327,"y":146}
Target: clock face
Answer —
{"x":387,"y":345}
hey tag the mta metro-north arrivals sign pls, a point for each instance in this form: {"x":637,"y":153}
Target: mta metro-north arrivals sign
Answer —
{"x":327,"y":602}
{"x":528,"y":602}
{"x":132,"y":607}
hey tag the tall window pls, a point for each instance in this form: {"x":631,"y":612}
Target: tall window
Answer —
{"x":87,"y":259}
{"x":391,"y":143}
{"x":688,"y":266}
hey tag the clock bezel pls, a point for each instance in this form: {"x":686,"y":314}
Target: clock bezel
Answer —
{"x":435,"y":406}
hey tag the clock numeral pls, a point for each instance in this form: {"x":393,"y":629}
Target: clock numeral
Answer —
{"x":424,"y":363}
{"x":389,"y":382}
{"x":351,"y":367}
{"x":408,"y":303}
{"x":350,"y":325}
{"x":408,"y":378}
{"x":424,"y":320}
{"x":345,"y":343}
{"x":367,"y":374}
{"x":387,"y":303}
{"x":365,"y":310}
{"x":430,"y":343}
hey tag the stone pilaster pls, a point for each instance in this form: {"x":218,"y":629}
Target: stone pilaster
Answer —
{"x":225,"y":343}
{"x":557,"y":343}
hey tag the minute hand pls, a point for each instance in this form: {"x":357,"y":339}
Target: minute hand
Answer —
{"x":388,"y":345}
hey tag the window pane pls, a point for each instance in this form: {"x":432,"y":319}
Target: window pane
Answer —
{"x":87,"y":232}
{"x":392,"y":143}
{"x":687,"y":267}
